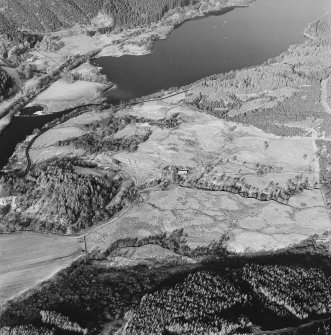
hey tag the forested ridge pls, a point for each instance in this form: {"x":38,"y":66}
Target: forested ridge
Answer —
{"x":46,"y":15}
{"x":54,"y":197}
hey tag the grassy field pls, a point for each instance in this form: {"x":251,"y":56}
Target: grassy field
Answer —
{"x":281,"y":205}
{"x":62,"y":95}
{"x":205,"y":216}
{"x":27,"y":259}
{"x":45,"y":146}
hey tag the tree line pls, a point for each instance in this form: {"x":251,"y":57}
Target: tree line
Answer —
{"x":45,"y":15}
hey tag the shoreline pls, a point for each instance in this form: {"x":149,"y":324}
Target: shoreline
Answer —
{"x":146,"y":34}
{"x":155,"y":29}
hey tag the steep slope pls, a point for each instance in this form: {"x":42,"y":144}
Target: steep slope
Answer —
{"x":46,"y":15}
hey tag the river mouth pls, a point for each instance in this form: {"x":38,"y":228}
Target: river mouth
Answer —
{"x":239,"y":38}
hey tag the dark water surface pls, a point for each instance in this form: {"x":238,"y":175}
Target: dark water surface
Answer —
{"x":31,"y":110}
{"x":18,"y":130}
{"x":199,"y":48}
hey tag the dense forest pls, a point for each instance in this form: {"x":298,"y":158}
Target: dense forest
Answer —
{"x":137,"y":12}
{"x":54,"y":197}
{"x":194,"y":306}
{"x":219,"y":297}
{"x":46,"y":15}
{"x":299,"y":107}
{"x":224,"y":303}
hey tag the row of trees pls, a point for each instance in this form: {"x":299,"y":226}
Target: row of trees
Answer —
{"x":176,"y":242}
{"x":239,"y":185}
{"x":61,"y":321}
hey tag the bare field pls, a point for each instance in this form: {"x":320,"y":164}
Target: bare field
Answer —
{"x":62,"y":95}
{"x":29,"y":258}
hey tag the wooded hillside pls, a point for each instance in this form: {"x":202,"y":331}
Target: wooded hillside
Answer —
{"x":46,"y":15}
{"x":55,"y":197}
